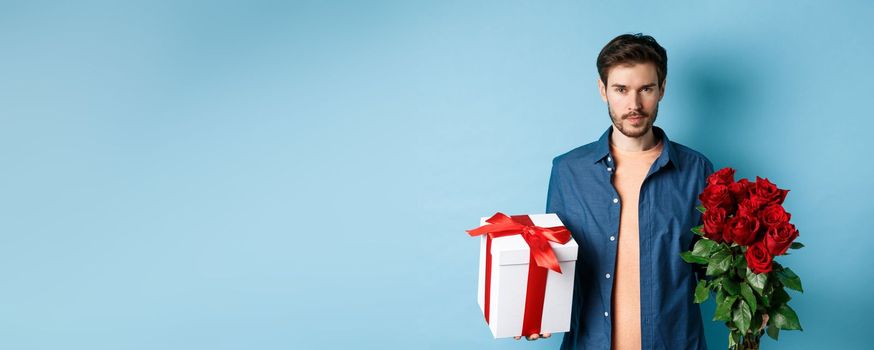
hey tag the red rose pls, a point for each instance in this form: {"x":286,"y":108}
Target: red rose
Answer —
{"x":741,"y":190}
{"x":779,"y":237}
{"x":772,"y":215}
{"x":716,"y":196}
{"x":758,"y":258}
{"x":726,"y":231}
{"x":750,"y":206}
{"x":714,"y":221}
{"x":769,"y":192}
{"x":724,"y":176}
{"x":743,"y":230}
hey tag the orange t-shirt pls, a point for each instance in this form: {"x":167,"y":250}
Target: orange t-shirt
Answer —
{"x":631,"y":169}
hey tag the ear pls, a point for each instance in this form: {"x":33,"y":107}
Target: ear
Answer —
{"x":662,"y":89}
{"x":602,"y":89}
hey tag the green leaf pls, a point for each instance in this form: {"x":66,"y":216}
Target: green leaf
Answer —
{"x":698,"y":230}
{"x":786,"y":318}
{"x":692,"y":258}
{"x":790,"y":279}
{"x":742,"y":317}
{"x":748,"y":295}
{"x":719,"y":263}
{"x":757,"y":280}
{"x":703,"y":248}
{"x":720,"y":247}
{"x":766,"y":301}
{"x":733,"y":339}
{"x":755,"y":322}
{"x":730,"y":286}
{"x":796,"y":245}
{"x":779,"y":297}
{"x":740,"y":265}
{"x":773,"y":332}
{"x":701,"y":292}
{"x":723,"y":309}
{"x":701,"y":209}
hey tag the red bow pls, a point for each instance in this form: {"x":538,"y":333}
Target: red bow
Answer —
{"x":537,"y":237}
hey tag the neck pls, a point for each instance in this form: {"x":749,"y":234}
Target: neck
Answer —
{"x":633,"y":144}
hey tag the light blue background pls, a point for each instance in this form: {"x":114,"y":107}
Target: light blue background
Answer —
{"x":275,"y":175}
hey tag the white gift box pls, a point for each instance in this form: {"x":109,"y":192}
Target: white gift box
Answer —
{"x":509,"y":282}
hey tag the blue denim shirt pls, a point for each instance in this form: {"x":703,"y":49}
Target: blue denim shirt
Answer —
{"x":581,"y":192}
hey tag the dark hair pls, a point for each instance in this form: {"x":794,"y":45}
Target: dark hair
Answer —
{"x":633,"y":48}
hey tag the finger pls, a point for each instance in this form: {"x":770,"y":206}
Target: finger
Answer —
{"x":517,"y":337}
{"x":764,"y":322}
{"x":533,"y":337}
{"x":546,"y":335}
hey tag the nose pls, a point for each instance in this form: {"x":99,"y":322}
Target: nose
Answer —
{"x":637,"y":102}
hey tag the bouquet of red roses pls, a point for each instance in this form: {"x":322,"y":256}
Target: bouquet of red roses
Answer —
{"x":745,"y":227}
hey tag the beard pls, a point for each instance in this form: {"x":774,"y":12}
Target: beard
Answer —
{"x":633,"y":131}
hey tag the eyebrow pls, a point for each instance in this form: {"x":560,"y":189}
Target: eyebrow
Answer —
{"x":645,"y":86}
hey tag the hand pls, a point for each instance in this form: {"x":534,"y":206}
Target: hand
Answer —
{"x":764,"y":321}
{"x":535,"y":336}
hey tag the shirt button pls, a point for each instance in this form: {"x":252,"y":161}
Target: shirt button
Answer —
{"x":608,"y":275}
{"x":609,"y":169}
{"x":615,"y":200}
{"x":609,"y":159}
{"x":605,"y":314}
{"x":612,"y":238}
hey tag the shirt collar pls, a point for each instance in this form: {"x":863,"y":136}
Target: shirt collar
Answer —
{"x":602,"y":148}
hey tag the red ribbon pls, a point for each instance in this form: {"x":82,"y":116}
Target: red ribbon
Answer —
{"x":538,"y":238}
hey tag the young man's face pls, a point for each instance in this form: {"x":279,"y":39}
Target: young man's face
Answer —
{"x":632,"y":94}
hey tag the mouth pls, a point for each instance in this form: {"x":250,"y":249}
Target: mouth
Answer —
{"x":635,"y":118}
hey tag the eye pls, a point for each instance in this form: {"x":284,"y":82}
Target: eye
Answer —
{"x":647,"y":89}
{"x":620,"y":90}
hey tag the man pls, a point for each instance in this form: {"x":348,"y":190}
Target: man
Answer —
{"x":629,"y":201}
